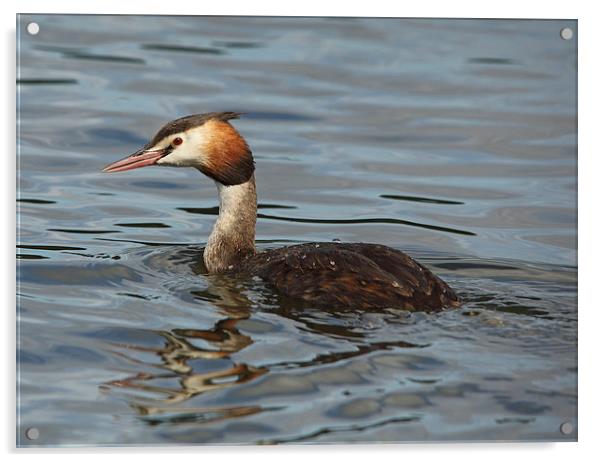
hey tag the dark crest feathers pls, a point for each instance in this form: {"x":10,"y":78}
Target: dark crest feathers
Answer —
{"x":186,"y":123}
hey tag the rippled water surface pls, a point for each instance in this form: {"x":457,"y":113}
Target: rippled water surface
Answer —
{"x":452,"y":140}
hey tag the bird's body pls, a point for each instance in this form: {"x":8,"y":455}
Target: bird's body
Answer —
{"x":357,"y":275}
{"x":337,"y":275}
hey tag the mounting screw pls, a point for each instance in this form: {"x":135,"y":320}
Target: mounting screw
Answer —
{"x":566,"y":428}
{"x":566,"y":33}
{"x":33,"y":28}
{"x":32,"y":433}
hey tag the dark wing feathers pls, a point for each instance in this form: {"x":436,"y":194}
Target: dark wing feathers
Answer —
{"x":352,"y":275}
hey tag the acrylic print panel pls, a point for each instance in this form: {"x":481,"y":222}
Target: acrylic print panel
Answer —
{"x":453,"y":141}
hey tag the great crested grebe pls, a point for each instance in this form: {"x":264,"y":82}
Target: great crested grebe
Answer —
{"x":333,"y":274}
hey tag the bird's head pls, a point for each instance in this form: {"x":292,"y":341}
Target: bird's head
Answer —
{"x":206,"y":142}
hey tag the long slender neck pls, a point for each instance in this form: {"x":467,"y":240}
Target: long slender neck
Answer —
{"x":233,"y":235}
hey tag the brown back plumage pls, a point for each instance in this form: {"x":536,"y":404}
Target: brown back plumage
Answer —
{"x":343,"y":275}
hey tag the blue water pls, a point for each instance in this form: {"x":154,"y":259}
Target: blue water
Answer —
{"x":453,"y":140}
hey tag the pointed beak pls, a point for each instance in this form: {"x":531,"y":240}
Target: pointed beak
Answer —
{"x":140,"y":158}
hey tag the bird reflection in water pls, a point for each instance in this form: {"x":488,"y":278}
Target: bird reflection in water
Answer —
{"x":182,"y":347}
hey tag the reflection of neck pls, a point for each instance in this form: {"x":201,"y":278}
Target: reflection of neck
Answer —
{"x":233,"y":235}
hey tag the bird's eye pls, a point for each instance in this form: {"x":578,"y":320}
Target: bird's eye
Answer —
{"x":177,"y":141}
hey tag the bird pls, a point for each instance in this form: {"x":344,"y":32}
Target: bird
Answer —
{"x":324,"y":274}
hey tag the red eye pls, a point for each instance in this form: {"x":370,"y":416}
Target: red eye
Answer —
{"x":177,"y":141}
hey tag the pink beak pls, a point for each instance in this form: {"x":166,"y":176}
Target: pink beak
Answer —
{"x":141,"y":158}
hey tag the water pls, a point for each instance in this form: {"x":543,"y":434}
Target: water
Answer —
{"x":452,"y":140}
